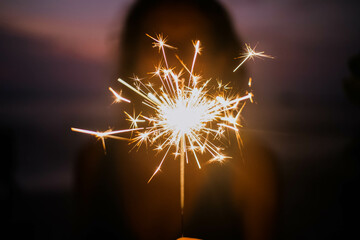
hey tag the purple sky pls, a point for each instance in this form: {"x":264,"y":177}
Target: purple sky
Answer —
{"x":298,"y":33}
{"x":74,"y":42}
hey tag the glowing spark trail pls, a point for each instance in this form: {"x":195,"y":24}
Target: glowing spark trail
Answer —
{"x":106,"y":134}
{"x":118,"y":97}
{"x":250,"y":53}
{"x":189,"y":118}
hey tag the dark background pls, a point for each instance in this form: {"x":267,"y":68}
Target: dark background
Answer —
{"x":58,"y":57}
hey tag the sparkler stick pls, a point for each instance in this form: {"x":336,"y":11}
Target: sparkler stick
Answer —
{"x":182,"y":182}
{"x":186,"y":116}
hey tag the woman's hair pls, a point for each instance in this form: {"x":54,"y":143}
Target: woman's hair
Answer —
{"x":224,"y":40}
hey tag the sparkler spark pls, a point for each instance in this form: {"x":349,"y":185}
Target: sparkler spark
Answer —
{"x":188,"y":117}
{"x":107,"y":134}
{"x":118,"y":98}
{"x":250,"y":54}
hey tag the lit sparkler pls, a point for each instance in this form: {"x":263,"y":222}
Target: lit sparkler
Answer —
{"x":189,"y":117}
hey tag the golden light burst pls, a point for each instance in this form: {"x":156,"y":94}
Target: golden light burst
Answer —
{"x":188,"y":116}
{"x":190,"y":112}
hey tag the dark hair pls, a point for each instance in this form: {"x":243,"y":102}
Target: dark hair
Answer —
{"x":223,"y":37}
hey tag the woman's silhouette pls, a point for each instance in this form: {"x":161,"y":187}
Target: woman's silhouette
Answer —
{"x":235,"y":200}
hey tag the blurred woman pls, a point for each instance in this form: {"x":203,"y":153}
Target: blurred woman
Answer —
{"x":234,"y":200}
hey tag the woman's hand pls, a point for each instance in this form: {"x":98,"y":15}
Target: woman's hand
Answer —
{"x":186,"y":238}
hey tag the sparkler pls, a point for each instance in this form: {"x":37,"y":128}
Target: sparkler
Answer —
{"x":190,"y":117}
